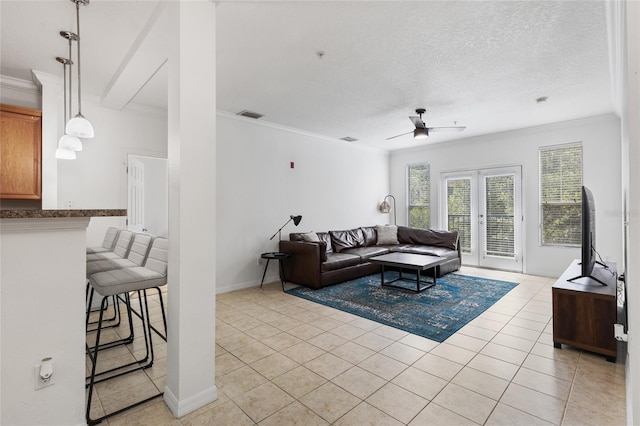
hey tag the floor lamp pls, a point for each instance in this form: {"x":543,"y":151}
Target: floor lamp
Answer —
{"x":296,"y":220}
{"x":385,"y":207}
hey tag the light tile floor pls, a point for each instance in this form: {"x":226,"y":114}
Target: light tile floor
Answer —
{"x":282,"y":360}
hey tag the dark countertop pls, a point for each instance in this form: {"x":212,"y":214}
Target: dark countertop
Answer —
{"x":40,"y":214}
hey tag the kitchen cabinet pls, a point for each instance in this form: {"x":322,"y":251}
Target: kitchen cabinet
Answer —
{"x":20,"y":153}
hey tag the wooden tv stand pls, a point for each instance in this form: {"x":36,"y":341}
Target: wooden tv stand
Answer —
{"x":584,"y":310}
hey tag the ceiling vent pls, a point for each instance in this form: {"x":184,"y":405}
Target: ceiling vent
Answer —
{"x":348,"y":139}
{"x":250,"y":114}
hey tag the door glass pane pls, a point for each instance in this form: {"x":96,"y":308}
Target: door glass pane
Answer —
{"x":459,"y":210}
{"x":499,"y":219}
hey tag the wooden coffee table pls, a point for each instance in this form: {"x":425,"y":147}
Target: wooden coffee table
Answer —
{"x":414,"y":262}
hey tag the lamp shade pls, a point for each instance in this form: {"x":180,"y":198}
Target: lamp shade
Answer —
{"x":385,"y":207}
{"x":79,"y":127}
{"x":296,"y":219}
{"x":65,"y":154}
{"x":420,"y":133}
{"x":70,"y":143}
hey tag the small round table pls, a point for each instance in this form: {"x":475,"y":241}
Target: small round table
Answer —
{"x":274,"y":256}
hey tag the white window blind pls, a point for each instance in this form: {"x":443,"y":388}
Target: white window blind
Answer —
{"x":419,"y":195}
{"x":561,"y":195}
{"x":500,"y":221}
{"x":459,"y":210}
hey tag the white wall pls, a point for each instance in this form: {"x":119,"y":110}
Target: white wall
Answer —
{"x":97,"y":179}
{"x":600,"y":137}
{"x":334,"y":185}
{"x":632,"y":181}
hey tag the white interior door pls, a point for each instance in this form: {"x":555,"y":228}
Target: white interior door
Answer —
{"x":135,"y":211}
{"x":484,"y":206}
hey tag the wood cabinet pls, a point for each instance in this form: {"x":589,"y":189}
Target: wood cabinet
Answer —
{"x":584,"y":311}
{"x":20,"y":153}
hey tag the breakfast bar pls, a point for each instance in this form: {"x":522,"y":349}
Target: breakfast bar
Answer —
{"x":42,"y":296}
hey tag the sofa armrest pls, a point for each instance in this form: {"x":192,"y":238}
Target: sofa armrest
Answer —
{"x":304,"y":265}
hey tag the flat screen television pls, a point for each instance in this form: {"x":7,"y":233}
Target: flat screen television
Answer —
{"x":588,"y":240}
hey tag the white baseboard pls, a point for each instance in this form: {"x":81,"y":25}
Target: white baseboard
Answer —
{"x":240,"y":286}
{"x":181,"y":408}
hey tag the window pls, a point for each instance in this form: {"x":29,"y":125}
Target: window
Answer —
{"x":459,"y":210}
{"x":419,"y":195}
{"x":500,"y":220}
{"x":561,"y":195}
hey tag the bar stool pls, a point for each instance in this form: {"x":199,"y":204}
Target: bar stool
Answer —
{"x":120,"y":251}
{"x":121,"y":282}
{"x":108,"y":243}
{"x":136,"y":256}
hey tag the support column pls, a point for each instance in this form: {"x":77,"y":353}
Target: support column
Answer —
{"x":192,"y":200}
{"x":51,"y":132}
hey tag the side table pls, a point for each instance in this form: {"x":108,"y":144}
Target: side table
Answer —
{"x":274,"y":256}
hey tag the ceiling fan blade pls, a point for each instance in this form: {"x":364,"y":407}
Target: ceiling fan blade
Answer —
{"x":447,"y":129}
{"x":397,"y":136}
{"x":417,"y":121}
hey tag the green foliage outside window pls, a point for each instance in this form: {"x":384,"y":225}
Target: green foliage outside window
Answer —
{"x":419,"y":195}
{"x":459,"y":210}
{"x":561,"y":195}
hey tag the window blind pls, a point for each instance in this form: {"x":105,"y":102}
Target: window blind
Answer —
{"x":561,"y":194}
{"x":499,"y":220}
{"x":459,"y":210}
{"x":419,"y":195}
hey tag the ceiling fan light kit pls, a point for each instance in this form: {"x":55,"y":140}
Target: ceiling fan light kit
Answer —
{"x":420,"y":133}
{"x":421,"y":130}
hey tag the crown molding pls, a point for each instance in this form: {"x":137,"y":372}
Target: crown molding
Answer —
{"x":18,"y":84}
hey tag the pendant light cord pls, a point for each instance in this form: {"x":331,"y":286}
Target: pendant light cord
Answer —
{"x":78,"y":35}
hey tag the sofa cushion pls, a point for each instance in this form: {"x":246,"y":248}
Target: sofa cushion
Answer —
{"x":367,"y":252}
{"x":428,"y":250}
{"x":324,"y":236}
{"x":346,"y":239}
{"x":370,"y":236}
{"x":337,"y":261}
{"x":428,"y":237}
{"x":387,"y":234}
{"x":311,"y":237}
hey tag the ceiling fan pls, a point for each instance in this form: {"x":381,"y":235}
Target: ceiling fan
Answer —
{"x":422,"y":131}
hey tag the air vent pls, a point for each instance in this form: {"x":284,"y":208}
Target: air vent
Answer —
{"x":250,"y":114}
{"x":348,"y":139}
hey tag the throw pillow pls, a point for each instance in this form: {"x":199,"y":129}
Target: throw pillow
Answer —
{"x":311,"y":237}
{"x":387,"y":234}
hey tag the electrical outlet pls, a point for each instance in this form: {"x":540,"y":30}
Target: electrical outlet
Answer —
{"x":39,"y":383}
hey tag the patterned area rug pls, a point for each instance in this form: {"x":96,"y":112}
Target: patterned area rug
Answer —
{"x":436,"y":313}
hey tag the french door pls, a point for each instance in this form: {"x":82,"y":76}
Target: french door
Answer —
{"x":484,"y":206}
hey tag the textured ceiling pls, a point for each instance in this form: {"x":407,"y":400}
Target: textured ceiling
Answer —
{"x":480,"y":64}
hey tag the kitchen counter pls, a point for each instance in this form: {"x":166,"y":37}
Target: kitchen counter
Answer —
{"x":40,"y":214}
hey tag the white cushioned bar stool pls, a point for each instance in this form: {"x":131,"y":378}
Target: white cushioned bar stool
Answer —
{"x":136,"y":256}
{"x":117,"y":282}
{"x":108,"y":243}
{"x":120,"y":250}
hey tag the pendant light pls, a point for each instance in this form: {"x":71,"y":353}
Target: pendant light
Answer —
{"x":79,"y":126}
{"x":68,"y":142}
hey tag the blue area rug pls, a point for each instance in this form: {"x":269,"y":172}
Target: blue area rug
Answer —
{"x":436,"y":313}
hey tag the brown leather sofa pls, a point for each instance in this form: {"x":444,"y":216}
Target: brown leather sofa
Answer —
{"x":325,"y":258}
